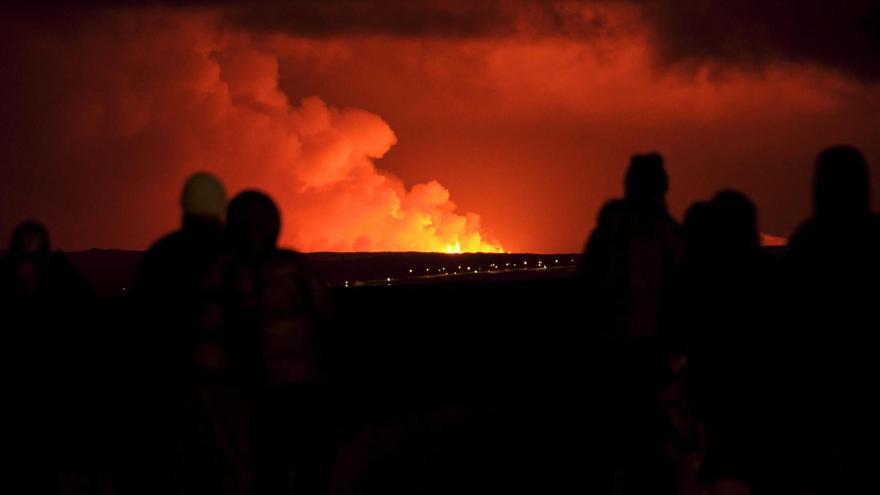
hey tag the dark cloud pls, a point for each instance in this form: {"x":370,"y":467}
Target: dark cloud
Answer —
{"x":841,"y":35}
{"x":396,"y":18}
{"x":404,"y":18}
{"x":432,"y":18}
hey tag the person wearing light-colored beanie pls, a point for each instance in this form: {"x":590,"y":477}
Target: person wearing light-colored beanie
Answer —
{"x":203,"y":196}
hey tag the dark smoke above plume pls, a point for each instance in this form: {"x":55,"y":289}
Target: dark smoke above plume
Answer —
{"x":843,"y":35}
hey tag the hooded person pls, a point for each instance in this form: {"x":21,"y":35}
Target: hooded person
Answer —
{"x":833,"y":268}
{"x":46,"y":310}
{"x":278,"y":314}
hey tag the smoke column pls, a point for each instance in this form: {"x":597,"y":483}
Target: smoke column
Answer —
{"x":137,"y":102}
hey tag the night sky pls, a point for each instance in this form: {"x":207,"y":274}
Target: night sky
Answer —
{"x":424,"y":125}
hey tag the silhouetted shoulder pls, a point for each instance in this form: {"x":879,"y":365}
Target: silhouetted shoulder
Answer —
{"x":612,"y":211}
{"x":804,"y":234}
{"x":844,"y":235}
{"x":67,"y":279}
{"x":153,"y":263}
{"x":167,"y":244}
{"x":609,"y":223}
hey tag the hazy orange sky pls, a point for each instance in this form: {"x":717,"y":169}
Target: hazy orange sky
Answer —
{"x":419,"y":125}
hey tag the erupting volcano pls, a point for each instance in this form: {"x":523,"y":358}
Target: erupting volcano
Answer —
{"x":382,"y":126}
{"x":149,"y":98}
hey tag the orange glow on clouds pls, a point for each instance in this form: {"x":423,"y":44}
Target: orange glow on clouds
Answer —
{"x":365,"y":138}
{"x":174,"y":94}
{"x":318,"y":162}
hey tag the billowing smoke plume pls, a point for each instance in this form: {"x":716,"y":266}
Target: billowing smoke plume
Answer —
{"x":138,"y":102}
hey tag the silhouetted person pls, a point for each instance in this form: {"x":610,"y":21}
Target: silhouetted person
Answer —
{"x":265,"y":355}
{"x":167,"y":280}
{"x":631,"y":253}
{"x":45,"y":307}
{"x":166,"y":295}
{"x":33,"y":273}
{"x":719,"y":314}
{"x":834,"y":264}
{"x":172,"y":267}
{"x":628,"y":260}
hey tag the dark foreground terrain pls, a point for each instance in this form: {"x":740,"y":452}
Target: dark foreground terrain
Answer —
{"x":471,"y":382}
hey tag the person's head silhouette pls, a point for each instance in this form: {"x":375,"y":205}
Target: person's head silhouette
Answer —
{"x":734,"y":220}
{"x":840,"y":185}
{"x":646,"y":181}
{"x":203,"y":198}
{"x":253,"y":222}
{"x":30,"y":241}
{"x":29,"y":253}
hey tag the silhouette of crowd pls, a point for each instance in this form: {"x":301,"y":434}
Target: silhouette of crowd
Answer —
{"x":224,"y":380}
{"x":716,"y":366}
{"x":758,"y":366}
